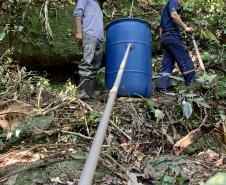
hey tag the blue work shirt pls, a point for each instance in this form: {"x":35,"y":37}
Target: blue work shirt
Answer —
{"x":92,"y":17}
{"x":167,"y":23}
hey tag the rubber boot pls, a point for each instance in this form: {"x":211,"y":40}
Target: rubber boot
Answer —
{"x":91,"y":90}
{"x":82,"y":88}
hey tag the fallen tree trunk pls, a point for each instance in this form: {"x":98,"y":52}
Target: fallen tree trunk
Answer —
{"x":195,"y":135}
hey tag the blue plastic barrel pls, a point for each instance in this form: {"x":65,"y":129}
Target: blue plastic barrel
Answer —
{"x":136,"y":80}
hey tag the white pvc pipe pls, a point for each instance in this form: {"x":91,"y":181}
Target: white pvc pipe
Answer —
{"x":88,"y":171}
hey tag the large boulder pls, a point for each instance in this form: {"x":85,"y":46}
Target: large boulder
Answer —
{"x":33,"y":46}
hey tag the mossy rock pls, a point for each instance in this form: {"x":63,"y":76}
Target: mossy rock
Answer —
{"x":33,"y":47}
{"x":62,"y":170}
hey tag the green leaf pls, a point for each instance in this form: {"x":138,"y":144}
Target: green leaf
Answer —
{"x":42,"y":122}
{"x":35,"y":123}
{"x":175,"y":168}
{"x":177,"y":78}
{"x":182,"y":91}
{"x":92,"y":117}
{"x":78,"y":157}
{"x":197,"y":100}
{"x":2,"y":36}
{"x":218,"y":179}
{"x":9,"y":135}
{"x":204,"y":104}
{"x":2,"y":144}
{"x":182,"y":180}
{"x":17,"y":133}
{"x":151,"y":105}
{"x":206,"y":56}
{"x":159,"y":114}
{"x":223,"y":117}
{"x":169,"y":179}
{"x":207,"y":78}
{"x":20,"y":28}
{"x":190,"y":95}
{"x":133,"y":179}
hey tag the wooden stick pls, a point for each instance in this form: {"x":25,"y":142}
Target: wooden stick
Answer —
{"x":77,"y":134}
{"x":198,"y":55}
{"x":125,"y":134}
{"x":192,"y":138}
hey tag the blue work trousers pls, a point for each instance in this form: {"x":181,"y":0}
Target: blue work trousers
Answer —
{"x":175,"y":50}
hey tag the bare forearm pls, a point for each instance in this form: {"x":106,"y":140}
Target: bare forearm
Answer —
{"x":160,"y":32}
{"x":78,"y":25}
{"x":177,"y":19}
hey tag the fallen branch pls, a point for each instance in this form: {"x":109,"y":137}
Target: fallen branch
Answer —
{"x":66,"y":104}
{"x":39,"y":97}
{"x":191,"y":138}
{"x":62,"y":105}
{"x":195,"y":135}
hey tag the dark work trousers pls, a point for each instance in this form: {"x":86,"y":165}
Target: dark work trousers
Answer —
{"x":174,"y":50}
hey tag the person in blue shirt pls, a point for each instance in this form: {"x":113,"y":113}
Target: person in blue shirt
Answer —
{"x":174,"y":49}
{"x":89,"y":28}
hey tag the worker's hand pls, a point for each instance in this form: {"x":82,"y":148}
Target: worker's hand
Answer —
{"x":79,"y":38}
{"x":189,"y":29}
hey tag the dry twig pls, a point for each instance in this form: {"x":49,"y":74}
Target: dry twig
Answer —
{"x":77,"y":134}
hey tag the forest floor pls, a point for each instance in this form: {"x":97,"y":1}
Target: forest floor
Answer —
{"x":164,"y":139}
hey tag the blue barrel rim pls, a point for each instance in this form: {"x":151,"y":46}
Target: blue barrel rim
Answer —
{"x":128,"y":19}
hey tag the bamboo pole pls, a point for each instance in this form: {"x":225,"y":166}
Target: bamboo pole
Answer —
{"x":88,"y":171}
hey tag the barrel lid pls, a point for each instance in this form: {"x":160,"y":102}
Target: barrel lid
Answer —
{"x":127,"y":19}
